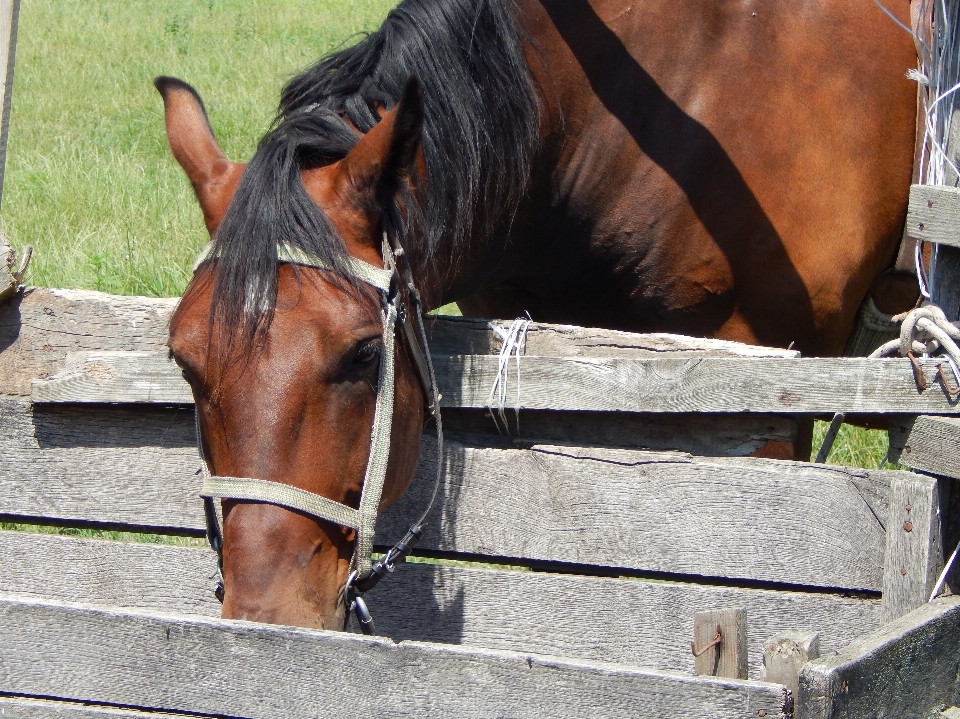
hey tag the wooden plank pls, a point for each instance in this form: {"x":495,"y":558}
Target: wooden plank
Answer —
{"x":40,"y":328}
{"x":9,"y":20}
{"x":933,"y":214}
{"x":907,"y":669}
{"x":158,"y":661}
{"x":710,"y":435}
{"x":632,"y":509}
{"x":27,"y":708}
{"x":708,"y":384}
{"x":914,"y":556}
{"x":113,"y":466}
{"x":785,"y":654}
{"x":628,"y":621}
{"x":470,"y":335}
{"x":612,"y":507}
{"x":946,"y":281}
{"x":728,"y":656}
{"x":927,"y":443}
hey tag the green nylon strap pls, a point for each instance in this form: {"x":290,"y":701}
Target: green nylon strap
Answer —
{"x":262,"y":490}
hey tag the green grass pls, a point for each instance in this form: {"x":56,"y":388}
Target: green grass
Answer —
{"x":90,"y":181}
{"x":854,"y":446}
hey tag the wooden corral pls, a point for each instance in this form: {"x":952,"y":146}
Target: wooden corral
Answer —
{"x":623,"y":521}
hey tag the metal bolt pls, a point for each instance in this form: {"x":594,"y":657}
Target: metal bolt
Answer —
{"x":906,"y":449}
{"x":908,"y":526}
{"x":761,"y":713}
{"x":920,"y":226}
{"x":909,"y":507}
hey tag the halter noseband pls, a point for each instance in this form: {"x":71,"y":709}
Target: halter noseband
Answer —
{"x":364,"y":574}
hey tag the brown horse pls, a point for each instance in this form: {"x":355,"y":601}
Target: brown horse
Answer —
{"x":734,"y":169}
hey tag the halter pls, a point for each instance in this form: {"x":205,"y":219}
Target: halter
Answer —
{"x":364,"y":574}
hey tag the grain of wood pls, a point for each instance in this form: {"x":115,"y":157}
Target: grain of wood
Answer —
{"x":933,"y":214}
{"x":641,"y":623}
{"x":610,"y":507}
{"x":709,"y":435}
{"x":26,"y":708}
{"x":40,"y":328}
{"x":927,"y":443}
{"x":946,"y":289}
{"x":914,"y":556}
{"x":159,"y":661}
{"x":785,"y":654}
{"x":907,"y":669}
{"x":707,"y":384}
{"x":470,"y":335}
{"x":728,"y":658}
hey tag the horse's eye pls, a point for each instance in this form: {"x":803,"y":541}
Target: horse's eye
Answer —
{"x":368,"y":352}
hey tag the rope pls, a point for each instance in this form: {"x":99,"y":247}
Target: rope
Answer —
{"x":513,"y":342}
{"x":924,"y":330}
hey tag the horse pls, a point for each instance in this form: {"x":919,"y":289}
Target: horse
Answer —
{"x":734,"y":169}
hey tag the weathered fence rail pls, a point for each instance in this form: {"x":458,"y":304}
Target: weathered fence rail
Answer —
{"x":602,"y":554}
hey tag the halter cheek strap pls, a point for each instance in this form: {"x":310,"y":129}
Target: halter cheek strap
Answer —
{"x":364,"y":575}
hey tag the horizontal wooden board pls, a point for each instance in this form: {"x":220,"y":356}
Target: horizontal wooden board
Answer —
{"x":629,"y":621}
{"x":201,"y":665}
{"x":927,"y":443}
{"x":619,"y":384}
{"x":27,"y":708}
{"x":613,"y":507}
{"x":470,"y":335}
{"x":39,"y":328}
{"x":934,"y":214}
{"x":906,"y":669}
{"x":710,"y":435}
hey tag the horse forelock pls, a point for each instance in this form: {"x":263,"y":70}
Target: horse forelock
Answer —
{"x":481,"y":130}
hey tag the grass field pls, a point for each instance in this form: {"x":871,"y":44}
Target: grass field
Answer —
{"x":90,"y":181}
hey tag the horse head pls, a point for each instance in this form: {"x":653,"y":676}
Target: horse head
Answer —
{"x":284,"y":358}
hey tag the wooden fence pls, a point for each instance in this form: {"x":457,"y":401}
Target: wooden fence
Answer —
{"x":623,"y":518}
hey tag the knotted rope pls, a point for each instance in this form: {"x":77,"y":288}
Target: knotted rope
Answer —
{"x":924,"y":330}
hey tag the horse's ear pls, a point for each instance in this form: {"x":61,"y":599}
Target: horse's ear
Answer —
{"x":381,"y":159}
{"x":213,"y":176}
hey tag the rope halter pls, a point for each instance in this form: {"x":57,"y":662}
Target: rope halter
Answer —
{"x":364,"y":574}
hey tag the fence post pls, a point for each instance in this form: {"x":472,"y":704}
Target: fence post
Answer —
{"x":9,"y":18}
{"x":914,"y":554}
{"x":728,"y":657}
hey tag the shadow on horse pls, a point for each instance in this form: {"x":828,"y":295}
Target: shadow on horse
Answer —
{"x":727,"y":169}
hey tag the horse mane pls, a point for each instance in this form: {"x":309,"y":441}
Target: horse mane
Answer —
{"x":480,"y":133}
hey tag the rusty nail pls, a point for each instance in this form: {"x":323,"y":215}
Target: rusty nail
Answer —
{"x":909,"y":507}
{"x":952,"y":392}
{"x":761,"y":713}
{"x":918,"y":375}
{"x":906,"y":449}
{"x":903,"y":572}
{"x":715,"y":642}
{"x":920,"y":226}
{"x":908,"y":526}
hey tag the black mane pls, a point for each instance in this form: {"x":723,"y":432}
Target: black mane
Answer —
{"x":481,"y":130}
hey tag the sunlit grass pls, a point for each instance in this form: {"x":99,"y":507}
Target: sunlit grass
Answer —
{"x":854,"y":446}
{"x":90,"y":181}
